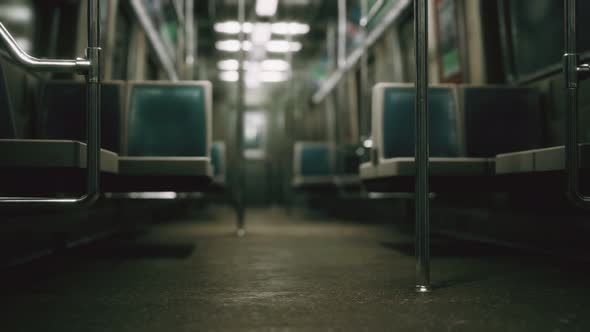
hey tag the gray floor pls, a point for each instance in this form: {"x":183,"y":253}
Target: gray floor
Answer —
{"x":290,"y":274}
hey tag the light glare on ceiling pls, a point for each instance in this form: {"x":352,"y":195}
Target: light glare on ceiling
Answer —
{"x":261,"y":33}
{"x":266,"y":7}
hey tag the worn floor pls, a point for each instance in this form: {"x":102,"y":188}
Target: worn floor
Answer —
{"x":290,"y":273}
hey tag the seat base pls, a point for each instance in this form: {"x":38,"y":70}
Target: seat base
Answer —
{"x":45,"y":167}
{"x":317,"y":182}
{"x":30,"y":153}
{"x":446,"y":175}
{"x":150,"y":174}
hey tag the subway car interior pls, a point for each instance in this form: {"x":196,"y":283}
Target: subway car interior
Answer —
{"x":294,"y":165}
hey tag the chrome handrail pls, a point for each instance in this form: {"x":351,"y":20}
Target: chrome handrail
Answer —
{"x":371,"y":14}
{"x":90,"y":67}
{"x":40,"y":65}
{"x":573,"y":72}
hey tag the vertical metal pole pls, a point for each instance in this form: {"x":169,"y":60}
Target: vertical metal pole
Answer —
{"x":330,"y":108}
{"x":93,"y":80}
{"x":191,"y":39}
{"x":289,"y":137}
{"x":341,"y":89}
{"x":574,"y":72}
{"x":571,"y":64}
{"x":341,"y":34}
{"x":364,"y":81}
{"x":239,"y":188}
{"x":422,"y":148}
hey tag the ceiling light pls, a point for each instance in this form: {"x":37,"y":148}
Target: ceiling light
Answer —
{"x":247,"y":27}
{"x":233,"y":27}
{"x":232,"y":45}
{"x":277,"y":28}
{"x":229,"y":27}
{"x":230,"y":64}
{"x":283,"y":46}
{"x":229,"y":76}
{"x":261,"y":33}
{"x":275,"y":65}
{"x":252,"y":81}
{"x":289,"y":28}
{"x":273,"y":76}
{"x":266,"y":7}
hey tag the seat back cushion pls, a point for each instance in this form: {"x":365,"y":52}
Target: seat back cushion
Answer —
{"x":399,"y":122}
{"x":63,"y":112}
{"x":501,"y":120}
{"x":316,"y":159}
{"x":167,"y":120}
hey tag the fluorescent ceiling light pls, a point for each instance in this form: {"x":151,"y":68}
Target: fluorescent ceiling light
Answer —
{"x":232,"y":45}
{"x":229,"y":27}
{"x":254,"y":78}
{"x":275,"y":65}
{"x":277,"y":28}
{"x":261,"y":33}
{"x":230,"y":64}
{"x":289,"y":28}
{"x":250,"y":66}
{"x":266,"y":7}
{"x":229,"y":76}
{"x":252,"y":81}
{"x":233,"y":27}
{"x":283,"y":46}
{"x":273,"y":76}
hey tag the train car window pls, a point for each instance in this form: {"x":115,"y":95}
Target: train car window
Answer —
{"x":255,"y":127}
{"x":538,"y":25}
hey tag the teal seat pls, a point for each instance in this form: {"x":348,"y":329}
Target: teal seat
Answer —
{"x":166,"y":120}
{"x":167,"y":143}
{"x":398,"y":122}
{"x":316,"y":160}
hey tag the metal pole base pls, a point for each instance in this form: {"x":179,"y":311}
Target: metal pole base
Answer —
{"x":423,"y":289}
